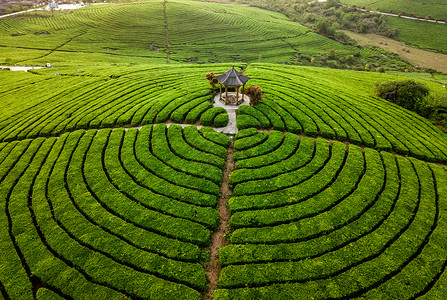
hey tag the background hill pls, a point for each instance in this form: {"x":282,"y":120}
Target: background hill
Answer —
{"x":434,"y":8}
{"x":197,"y":32}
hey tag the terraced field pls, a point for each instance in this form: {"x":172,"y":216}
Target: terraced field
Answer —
{"x":92,"y":99}
{"x":108,"y":192}
{"x":93,"y":209}
{"x":423,"y":35}
{"x":138,"y":33}
{"x":109,"y":214}
{"x":315,"y":219}
{"x":434,"y":8}
{"x":306,"y":100}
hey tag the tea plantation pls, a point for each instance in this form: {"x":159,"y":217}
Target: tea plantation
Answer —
{"x":315,"y":219}
{"x":116,"y":184}
{"x":135,"y":33}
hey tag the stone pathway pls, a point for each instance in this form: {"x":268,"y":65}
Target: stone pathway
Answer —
{"x":231,"y":110}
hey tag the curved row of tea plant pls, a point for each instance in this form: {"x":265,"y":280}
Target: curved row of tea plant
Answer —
{"x":315,"y":219}
{"x":92,"y":100}
{"x":123,"y":33}
{"x":109,"y":214}
{"x":303,"y":100}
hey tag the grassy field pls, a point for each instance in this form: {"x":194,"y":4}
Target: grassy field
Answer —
{"x":433,"y":8}
{"x":326,"y":191}
{"x":423,"y":35}
{"x":415,"y":56}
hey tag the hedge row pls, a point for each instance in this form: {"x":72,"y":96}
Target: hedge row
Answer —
{"x":288,"y":147}
{"x":146,"y":195}
{"x":203,"y":174}
{"x":215,"y":117}
{"x":82,"y":218}
{"x":342,"y":185}
{"x":273,"y":142}
{"x":315,"y":107}
{"x":368,"y":224}
{"x":143,"y":96}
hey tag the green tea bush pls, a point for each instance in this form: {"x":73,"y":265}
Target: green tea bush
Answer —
{"x":349,"y":217}
{"x":221,"y":120}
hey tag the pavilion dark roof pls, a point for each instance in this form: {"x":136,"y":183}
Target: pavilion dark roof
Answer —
{"x":232,"y":77}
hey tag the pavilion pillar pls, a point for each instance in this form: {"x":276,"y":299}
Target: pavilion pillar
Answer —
{"x":220,"y":95}
{"x":237,"y":94}
{"x":226,"y":94}
{"x":243,"y":91}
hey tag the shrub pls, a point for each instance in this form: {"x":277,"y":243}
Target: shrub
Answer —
{"x":433,"y":106}
{"x":207,"y":118}
{"x":324,"y":27}
{"x":255,"y":94}
{"x":221,"y":120}
{"x":407,"y":93}
{"x":349,"y":59}
{"x":212,"y":80}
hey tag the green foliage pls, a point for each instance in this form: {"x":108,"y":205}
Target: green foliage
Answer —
{"x":221,"y":120}
{"x":324,"y":27}
{"x":425,"y":35}
{"x":435,"y":8}
{"x":109,"y":210}
{"x":89,"y":100}
{"x":212,"y":117}
{"x":335,"y":109}
{"x":122,"y":213}
{"x":346,"y":217}
{"x":434,"y":108}
{"x":221,"y":140}
{"x":246,"y":121}
{"x":255,"y":94}
{"x":407,"y":94}
{"x":105,"y":35}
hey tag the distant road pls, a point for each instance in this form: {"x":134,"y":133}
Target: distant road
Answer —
{"x":405,"y":17}
{"x":20,"y":12}
{"x":61,"y":7}
{"x":20,"y":68}
{"x":389,"y":14}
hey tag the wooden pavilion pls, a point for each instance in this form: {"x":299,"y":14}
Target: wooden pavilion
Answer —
{"x":232,"y":78}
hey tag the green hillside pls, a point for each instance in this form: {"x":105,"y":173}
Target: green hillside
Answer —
{"x":116,"y":184}
{"x":197,"y":32}
{"x":434,"y":8}
{"x":323,"y":220}
{"x":124,"y":33}
{"x":332,"y":103}
{"x":423,"y":35}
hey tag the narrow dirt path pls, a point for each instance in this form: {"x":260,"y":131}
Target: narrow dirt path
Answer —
{"x":166,"y":30}
{"x":218,"y":240}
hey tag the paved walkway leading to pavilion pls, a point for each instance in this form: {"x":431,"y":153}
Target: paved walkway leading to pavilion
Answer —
{"x":231,"y":110}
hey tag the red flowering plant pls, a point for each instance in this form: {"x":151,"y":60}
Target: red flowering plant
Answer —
{"x":255,"y":94}
{"x":212,"y":80}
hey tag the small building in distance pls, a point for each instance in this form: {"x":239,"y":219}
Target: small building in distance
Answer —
{"x":53,"y":5}
{"x":232,"y":79}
